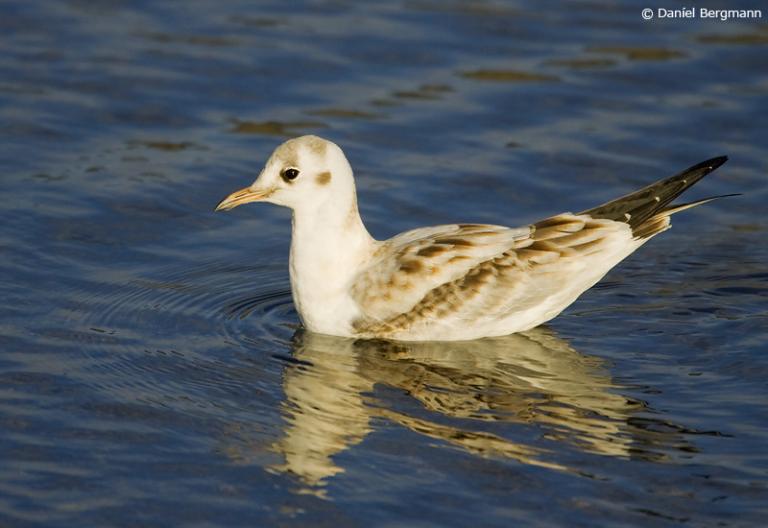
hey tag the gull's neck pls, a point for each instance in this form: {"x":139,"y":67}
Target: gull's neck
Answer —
{"x":329,"y":244}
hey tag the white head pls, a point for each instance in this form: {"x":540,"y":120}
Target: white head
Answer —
{"x":307,"y":174}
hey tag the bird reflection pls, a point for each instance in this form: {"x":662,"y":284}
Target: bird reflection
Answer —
{"x":534,"y":378}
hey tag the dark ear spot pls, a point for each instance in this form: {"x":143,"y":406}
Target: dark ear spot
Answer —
{"x":323,"y":178}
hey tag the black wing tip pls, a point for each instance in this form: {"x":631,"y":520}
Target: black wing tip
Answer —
{"x":710,"y":164}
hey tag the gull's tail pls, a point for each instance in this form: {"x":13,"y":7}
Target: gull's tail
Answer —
{"x":647,"y":211}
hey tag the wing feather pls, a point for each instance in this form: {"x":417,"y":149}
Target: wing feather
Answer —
{"x":470,"y":273}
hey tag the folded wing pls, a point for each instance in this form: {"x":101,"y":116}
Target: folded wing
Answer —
{"x":475,"y":274}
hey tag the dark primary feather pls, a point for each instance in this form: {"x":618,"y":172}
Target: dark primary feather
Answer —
{"x":639,"y":207}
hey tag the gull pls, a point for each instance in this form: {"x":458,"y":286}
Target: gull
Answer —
{"x":448,"y":282}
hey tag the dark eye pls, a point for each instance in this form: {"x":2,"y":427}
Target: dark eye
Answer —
{"x":290,"y":174}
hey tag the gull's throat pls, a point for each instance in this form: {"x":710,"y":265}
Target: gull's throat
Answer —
{"x":329,"y":244}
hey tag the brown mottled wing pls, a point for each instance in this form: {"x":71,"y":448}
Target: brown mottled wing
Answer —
{"x":479,"y":274}
{"x":473,"y":273}
{"x":411,"y":264}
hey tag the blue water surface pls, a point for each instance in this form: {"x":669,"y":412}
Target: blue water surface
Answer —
{"x":152,"y":367}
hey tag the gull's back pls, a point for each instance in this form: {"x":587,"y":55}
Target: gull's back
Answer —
{"x":465,"y":281}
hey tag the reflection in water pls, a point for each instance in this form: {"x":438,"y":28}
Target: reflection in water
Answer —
{"x":533,"y":378}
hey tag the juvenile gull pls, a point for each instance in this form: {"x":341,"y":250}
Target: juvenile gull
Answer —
{"x":448,"y":282}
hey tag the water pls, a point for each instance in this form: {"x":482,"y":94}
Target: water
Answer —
{"x":153,"y":372}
